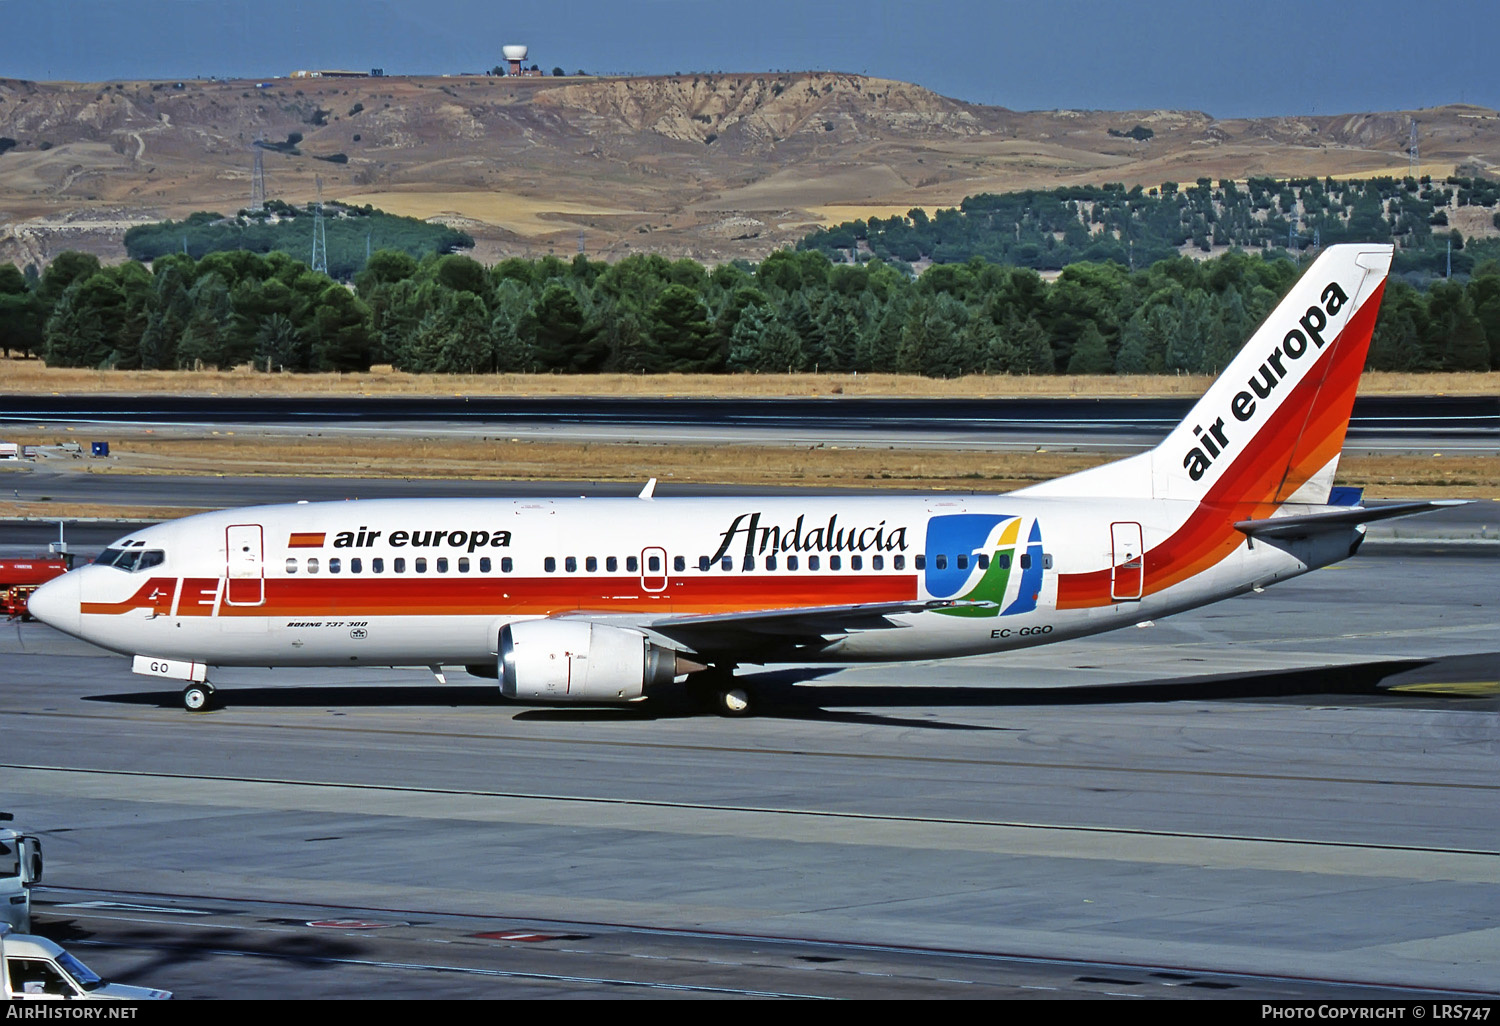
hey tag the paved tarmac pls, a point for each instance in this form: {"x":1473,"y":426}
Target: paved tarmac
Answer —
{"x":1455,"y":424}
{"x":1286,"y":795}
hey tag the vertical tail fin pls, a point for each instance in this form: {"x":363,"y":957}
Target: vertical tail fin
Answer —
{"x":1271,"y":428}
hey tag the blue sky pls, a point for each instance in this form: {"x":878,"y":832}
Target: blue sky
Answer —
{"x":1231,"y":60}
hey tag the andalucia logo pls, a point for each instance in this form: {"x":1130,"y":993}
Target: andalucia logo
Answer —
{"x":978,"y":557}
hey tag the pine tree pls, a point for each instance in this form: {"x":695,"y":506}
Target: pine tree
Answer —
{"x":1091,"y":354}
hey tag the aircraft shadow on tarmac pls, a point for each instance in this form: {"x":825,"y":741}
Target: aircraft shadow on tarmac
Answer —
{"x":779,"y":696}
{"x":171,"y":950}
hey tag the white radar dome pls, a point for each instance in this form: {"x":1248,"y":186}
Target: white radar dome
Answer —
{"x":514,"y":53}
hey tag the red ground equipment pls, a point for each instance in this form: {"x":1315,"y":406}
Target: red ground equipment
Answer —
{"x":20,"y":577}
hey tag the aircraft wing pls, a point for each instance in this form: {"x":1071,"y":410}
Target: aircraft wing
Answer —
{"x":1304,"y":524}
{"x":806,"y":625}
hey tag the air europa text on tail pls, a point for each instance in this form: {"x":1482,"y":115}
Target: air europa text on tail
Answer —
{"x":1214,"y":440}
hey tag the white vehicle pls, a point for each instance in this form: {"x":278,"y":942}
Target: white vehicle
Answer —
{"x":20,"y":867}
{"x":36,"y":969}
{"x":608,"y":600}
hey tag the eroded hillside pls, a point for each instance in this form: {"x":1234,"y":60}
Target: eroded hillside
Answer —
{"x":712,"y":166}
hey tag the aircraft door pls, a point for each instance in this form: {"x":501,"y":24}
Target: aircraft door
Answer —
{"x":653,"y":569}
{"x":244,"y":565}
{"x":1128,"y":564}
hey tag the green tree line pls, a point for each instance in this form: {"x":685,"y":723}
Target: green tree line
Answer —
{"x":1050,"y":229}
{"x":352,"y":234}
{"x":795,"y":311}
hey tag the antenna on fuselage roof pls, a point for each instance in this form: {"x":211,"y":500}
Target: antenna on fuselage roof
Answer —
{"x":648,"y":492}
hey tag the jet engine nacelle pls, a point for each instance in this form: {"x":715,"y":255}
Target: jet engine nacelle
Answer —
{"x":579,"y":661}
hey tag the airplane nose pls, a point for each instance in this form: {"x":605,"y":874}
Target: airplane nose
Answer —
{"x":56,"y":603}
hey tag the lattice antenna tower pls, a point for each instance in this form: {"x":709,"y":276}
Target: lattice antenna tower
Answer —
{"x":320,"y":236}
{"x":258,"y":180}
{"x":1411,"y":150}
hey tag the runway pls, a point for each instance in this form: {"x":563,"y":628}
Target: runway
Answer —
{"x":1379,"y":423}
{"x":1287,"y":795}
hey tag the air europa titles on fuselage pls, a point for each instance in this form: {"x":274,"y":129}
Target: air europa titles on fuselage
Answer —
{"x":830,"y":537}
{"x":468,"y":540}
{"x":1215,"y":442}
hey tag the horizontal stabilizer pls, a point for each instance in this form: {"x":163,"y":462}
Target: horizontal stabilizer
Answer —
{"x":1304,"y":524}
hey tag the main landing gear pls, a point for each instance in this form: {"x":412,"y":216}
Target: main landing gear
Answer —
{"x":199,"y":697}
{"x":717,"y":689}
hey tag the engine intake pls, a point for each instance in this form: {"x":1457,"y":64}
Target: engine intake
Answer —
{"x":579,"y":661}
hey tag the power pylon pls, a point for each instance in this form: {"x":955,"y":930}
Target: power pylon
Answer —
{"x":320,"y":236}
{"x":258,"y":181}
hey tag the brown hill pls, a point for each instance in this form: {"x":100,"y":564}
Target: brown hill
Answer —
{"x":711,"y":166}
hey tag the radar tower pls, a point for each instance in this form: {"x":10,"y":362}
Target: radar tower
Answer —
{"x":515,"y":53}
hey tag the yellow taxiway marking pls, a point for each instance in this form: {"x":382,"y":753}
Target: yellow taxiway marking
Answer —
{"x":1467,"y":688}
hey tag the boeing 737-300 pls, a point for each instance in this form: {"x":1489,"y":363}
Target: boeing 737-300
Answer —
{"x":610,"y":600}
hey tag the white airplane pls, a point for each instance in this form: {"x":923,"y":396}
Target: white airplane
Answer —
{"x":609,"y":600}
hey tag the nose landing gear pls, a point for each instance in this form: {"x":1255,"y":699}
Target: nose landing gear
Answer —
{"x":199,"y":697}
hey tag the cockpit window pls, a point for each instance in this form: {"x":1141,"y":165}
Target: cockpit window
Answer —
{"x":131,"y":560}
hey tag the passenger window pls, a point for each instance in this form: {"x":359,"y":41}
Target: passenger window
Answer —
{"x":812,"y":562}
{"x":463,"y":564}
{"x":442,"y":564}
{"x":877,"y":562}
{"x":727,"y":563}
{"x":611,"y":564}
{"x":898,"y":562}
{"x":570,"y":564}
{"x":941,"y":562}
{"x":398,"y":565}
{"x":377,"y":565}
{"x":963,"y":562}
{"x":835,"y":563}
{"x":421,"y":564}
{"x":679,"y":564}
{"x":770,"y":562}
{"x":919,"y":562}
{"x":983,"y":561}
{"x":1004,"y":558}
{"x":1026,"y":561}
{"x":550,"y":565}
{"x":654,"y":564}
{"x":632,"y":564}
{"x":312,"y":564}
{"x":749,"y":563}
{"x":485,"y":564}
{"x":356,"y":566}
{"x":591,"y":564}
{"x":291,"y":565}
{"x":704,"y":563}
{"x":506,"y":565}
{"x":791,"y":562}
{"x":335,"y":565}
{"x":856,"y":563}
